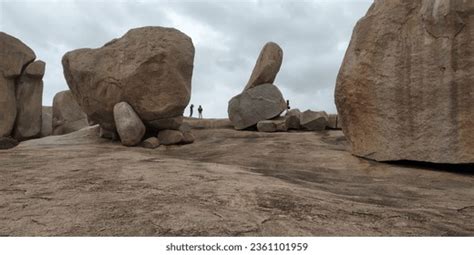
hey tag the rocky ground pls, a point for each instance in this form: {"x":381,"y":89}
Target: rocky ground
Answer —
{"x":227,"y":183}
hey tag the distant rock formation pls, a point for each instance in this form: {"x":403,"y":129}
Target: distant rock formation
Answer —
{"x":21,"y":90}
{"x":405,"y":90}
{"x":260,"y":100}
{"x":68,"y":117}
{"x":149,"y":68}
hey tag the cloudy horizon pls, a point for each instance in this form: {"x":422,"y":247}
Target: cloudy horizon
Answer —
{"x":227,"y":35}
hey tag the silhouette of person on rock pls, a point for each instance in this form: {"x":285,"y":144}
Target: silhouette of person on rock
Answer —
{"x":191,"y":107}
{"x":200,"y":111}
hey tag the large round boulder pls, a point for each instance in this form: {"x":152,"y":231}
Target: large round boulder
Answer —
{"x":262,"y":102}
{"x":405,"y":90}
{"x":150,"y":68}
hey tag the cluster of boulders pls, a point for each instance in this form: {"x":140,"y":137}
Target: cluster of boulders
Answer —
{"x":261,"y":103}
{"x":135,"y":87}
{"x":405,"y":90}
{"x":261,"y":99}
{"x":296,"y":120}
{"x":21,"y":92}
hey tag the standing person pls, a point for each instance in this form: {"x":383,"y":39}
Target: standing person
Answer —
{"x":288,"y":105}
{"x":200,"y":111}
{"x":191,"y":107}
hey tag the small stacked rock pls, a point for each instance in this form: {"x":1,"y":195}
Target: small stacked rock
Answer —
{"x":260,"y":100}
{"x":135,"y":86}
{"x":21,"y":91}
{"x":296,"y":120}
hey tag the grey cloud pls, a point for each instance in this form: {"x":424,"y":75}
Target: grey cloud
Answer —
{"x":228,"y":36}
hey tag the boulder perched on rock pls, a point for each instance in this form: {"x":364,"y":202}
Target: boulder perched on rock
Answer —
{"x":46,"y":121}
{"x":314,"y":121}
{"x":253,"y":105}
{"x":14,"y":57}
{"x":293,"y":117}
{"x":267,"y":66}
{"x":67,"y":114}
{"x":169,"y":137}
{"x":150,"y":68}
{"x":29,"y":97}
{"x":274,"y":125}
{"x":129,"y":126}
{"x":405,"y":88}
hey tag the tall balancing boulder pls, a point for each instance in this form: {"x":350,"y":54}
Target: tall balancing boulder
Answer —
{"x":261,"y":99}
{"x":268,"y":64}
{"x":405,"y":90}
{"x":29,"y":97}
{"x":14,"y":57}
{"x":150,"y":68}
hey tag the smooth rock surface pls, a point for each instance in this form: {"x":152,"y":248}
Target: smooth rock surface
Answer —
{"x":405,"y":88}
{"x":253,"y":105}
{"x":129,"y":126}
{"x":268,"y":64}
{"x":170,"y":137}
{"x":227,"y":183}
{"x":149,"y":67}
{"x":67,"y":114}
{"x":29,"y":99}
{"x":313,"y":121}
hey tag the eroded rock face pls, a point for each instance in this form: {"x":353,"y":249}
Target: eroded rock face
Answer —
{"x":14,"y":56}
{"x":262,"y":102}
{"x":29,"y":97}
{"x":268,"y":64}
{"x":67,"y":114}
{"x":129,"y":126}
{"x":405,"y":88}
{"x":148,"y":67}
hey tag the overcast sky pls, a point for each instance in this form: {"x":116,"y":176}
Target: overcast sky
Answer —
{"x":227,"y":35}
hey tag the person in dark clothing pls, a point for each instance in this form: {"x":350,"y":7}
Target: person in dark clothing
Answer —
{"x":200,"y":111}
{"x":288,"y":104}
{"x":191,"y":107}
